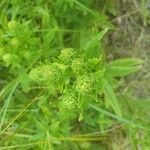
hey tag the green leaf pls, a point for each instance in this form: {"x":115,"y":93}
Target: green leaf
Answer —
{"x":111,"y":97}
{"x":127,"y":62}
{"x":119,"y":118}
{"x":137,"y":103}
{"x":123,"y":67}
{"x":92,"y":48}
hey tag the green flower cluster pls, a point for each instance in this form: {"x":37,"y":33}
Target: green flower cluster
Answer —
{"x":69,"y":71}
{"x":84,"y":84}
{"x":78,"y":65}
{"x":67,"y":55}
{"x":46,"y":74}
{"x":68,"y":102}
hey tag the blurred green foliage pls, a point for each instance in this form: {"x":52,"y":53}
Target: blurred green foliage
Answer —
{"x":54,"y":97}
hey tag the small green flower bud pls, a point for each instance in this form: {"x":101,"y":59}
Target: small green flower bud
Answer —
{"x":68,"y":102}
{"x":35,"y":74}
{"x":67,"y":55}
{"x":77,"y":65}
{"x":84,"y":84}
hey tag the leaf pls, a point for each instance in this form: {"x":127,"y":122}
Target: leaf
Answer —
{"x":137,"y":103}
{"x":80,"y":117}
{"x":119,"y":118}
{"x":123,"y":67}
{"x":127,"y":62}
{"x":92,"y":48}
{"x":111,"y":97}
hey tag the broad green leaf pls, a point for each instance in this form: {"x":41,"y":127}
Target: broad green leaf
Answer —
{"x":123,"y":67}
{"x":111,"y":97}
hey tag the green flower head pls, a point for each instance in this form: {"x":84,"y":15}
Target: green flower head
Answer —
{"x":77,"y":65}
{"x":46,"y":74}
{"x":68,"y":102}
{"x":84,"y":84}
{"x":67,"y":55}
{"x":35,"y":74}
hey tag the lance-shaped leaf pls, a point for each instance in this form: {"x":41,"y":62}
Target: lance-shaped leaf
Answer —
{"x":111,"y":97}
{"x":119,"y":118}
{"x":92,"y":48}
{"x":122,"y":67}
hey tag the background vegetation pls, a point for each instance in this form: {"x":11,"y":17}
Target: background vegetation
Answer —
{"x":32,"y":36}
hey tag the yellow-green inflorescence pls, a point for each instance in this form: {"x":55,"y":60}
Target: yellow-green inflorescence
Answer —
{"x":67,"y":55}
{"x":69,"y":72}
{"x":68,"y":102}
{"x":46,"y":74}
{"x":78,"y":65}
{"x":84,"y":84}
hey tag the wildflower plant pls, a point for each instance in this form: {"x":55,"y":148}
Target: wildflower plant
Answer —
{"x":57,"y":98}
{"x":76,"y":80}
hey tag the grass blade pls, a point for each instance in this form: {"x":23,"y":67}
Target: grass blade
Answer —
{"x":111,"y":97}
{"x":120,"y":119}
